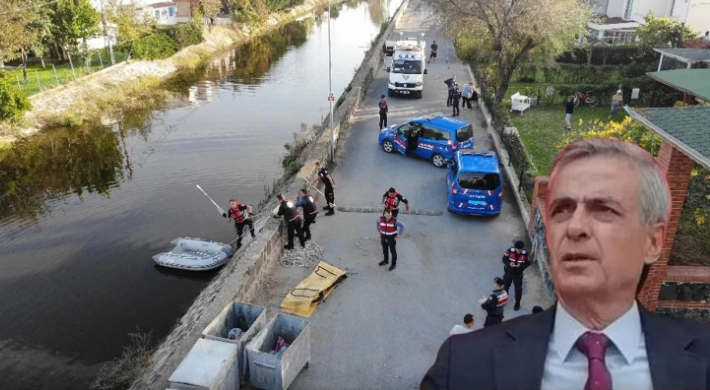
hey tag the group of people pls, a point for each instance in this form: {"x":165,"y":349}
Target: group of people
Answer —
{"x":469,"y":95}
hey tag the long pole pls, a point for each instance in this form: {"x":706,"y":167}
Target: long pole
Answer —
{"x":330,"y":96}
{"x":107,"y":38}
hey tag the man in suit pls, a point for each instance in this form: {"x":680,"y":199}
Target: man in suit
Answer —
{"x":606,"y":215}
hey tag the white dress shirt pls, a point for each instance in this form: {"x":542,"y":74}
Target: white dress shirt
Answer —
{"x":626,"y":358}
{"x":458,"y":329}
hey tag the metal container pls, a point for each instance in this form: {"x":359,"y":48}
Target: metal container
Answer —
{"x":270,"y":372}
{"x":249,"y":318}
{"x":210,"y":365}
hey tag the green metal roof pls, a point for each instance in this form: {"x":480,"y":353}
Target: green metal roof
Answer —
{"x":693,"y":81}
{"x":686,"y":55}
{"x":686,"y":128}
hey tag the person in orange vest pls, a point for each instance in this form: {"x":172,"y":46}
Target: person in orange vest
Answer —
{"x":390,"y":228}
{"x":391,"y":199}
{"x":240,"y":214}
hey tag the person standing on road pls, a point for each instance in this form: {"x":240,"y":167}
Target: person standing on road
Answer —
{"x":390,"y":228}
{"x":474,"y":96}
{"x":325,"y":177}
{"x":616,"y":101}
{"x":494,"y":303}
{"x":293,"y":220}
{"x":455,"y":100}
{"x":240,"y":214}
{"x":515,"y":261}
{"x":569,"y":110}
{"x":467,"y":326}
{"x":310,"y":212}
{"x":467,"y":94}
{"x":391,"y":199}
{"x":432,"y":55}
{"x":450,"y":83}
{"x":383,"y":111}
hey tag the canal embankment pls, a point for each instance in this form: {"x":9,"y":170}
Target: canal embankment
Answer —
{"x":96,"y":96}
{"x":247,"y":277}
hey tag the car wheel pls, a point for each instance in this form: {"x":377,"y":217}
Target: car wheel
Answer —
{"x":420,"y":94}
{"x":388,"y":146}
{"x":438,"y":160}
{"x":390,"y":93}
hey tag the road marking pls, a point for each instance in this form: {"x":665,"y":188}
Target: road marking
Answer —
{"x":431,"y":213}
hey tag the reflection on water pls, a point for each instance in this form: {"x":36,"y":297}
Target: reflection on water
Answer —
{"x":83,"y":210}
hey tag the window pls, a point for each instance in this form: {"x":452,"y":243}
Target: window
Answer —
{"x":479,"y":181}
{"x":407,"y":66}
{"x":465,"y":133}
{"x":404,"y":129}
{"x":157,"y":13}
{"x":454,"y":167}
{"x":172,"y":11}
{"x":428,"y":132}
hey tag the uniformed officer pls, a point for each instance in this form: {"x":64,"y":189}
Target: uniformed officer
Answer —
{"x":390,"y":228}
{"x":310,"y":212}
{"x":494,"y":303}
{"x":391,"y":199}
{"x":515,"y":261}
{"x":240,"y":214}
{"x":383,"y":111}
{"x":327,"y":179}
{"x":293,"y":220}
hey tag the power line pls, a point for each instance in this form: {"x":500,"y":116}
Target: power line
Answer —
{"x":26,"y":8}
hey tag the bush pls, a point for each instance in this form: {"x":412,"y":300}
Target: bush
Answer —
{"x":155,"y":46}
{"x":13,"y":103}
{"x":610,"y":55}
{"x":184,"y":34}
{"x":278,"y":5}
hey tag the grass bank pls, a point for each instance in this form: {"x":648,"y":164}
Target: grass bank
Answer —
{"x":543,"y":127}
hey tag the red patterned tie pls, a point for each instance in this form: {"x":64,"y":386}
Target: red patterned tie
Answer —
{"x":593,"y":346}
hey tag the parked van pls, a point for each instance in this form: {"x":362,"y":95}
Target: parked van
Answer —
{"x":475,"y":183}
{"x":406,"y":66}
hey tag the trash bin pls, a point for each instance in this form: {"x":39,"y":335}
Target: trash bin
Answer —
{"x":271,"y":372}
{"x":210,"y":365}
{"x":249,"y":318}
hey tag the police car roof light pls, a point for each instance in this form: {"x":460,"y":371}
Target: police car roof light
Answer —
{"x":433,"y":116}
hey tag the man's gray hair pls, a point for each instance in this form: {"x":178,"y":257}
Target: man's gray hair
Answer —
{"x":653,"y":188}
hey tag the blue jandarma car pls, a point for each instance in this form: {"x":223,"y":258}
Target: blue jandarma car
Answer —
{"x":433,"y":137}
{"x":475,"y":183}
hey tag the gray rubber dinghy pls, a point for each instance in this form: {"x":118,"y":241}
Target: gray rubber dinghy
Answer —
{"x":194,"y":254}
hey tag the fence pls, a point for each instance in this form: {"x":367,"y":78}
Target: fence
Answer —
{"x":55,"y":73}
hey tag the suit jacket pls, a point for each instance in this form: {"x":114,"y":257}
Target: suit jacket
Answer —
{"x":511,"y":355}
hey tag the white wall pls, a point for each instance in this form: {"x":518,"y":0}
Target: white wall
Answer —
{"x":615,"y":8}
{"x":699,"y":16}
{"x":658,"y":8}
{"x":164,"y":15}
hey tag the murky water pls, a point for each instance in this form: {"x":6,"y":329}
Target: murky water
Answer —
{"x":83,"y":210}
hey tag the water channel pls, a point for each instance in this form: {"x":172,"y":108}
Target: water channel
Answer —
{"x":82,"y":210}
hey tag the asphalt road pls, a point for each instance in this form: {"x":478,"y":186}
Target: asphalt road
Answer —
{"x":381,"y":329}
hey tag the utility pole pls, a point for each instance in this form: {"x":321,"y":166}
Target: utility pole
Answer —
{"x":107,"y":38}
{"x":331,"y":97}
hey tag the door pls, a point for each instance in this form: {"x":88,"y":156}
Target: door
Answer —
{"x":427,"y":142}
{"x":400,"y":138}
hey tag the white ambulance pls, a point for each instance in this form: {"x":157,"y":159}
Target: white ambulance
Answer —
{"x":405,"y":60}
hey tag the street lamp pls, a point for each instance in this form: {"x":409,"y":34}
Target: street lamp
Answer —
{"x":331,"y":97}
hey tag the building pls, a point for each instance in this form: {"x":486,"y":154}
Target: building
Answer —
{"x":164,"y":12}
{"x":622,"y":17}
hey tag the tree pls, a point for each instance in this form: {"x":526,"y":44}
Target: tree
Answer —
{"x":76,"y":20}
{"x":662,"y":32}
{"x":131,"y":21}
{"x":502,"y":34}
{"x":17,"y":32}
{"x":13,"y":103}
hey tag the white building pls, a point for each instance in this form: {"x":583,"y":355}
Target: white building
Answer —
{"x":624,"y":16}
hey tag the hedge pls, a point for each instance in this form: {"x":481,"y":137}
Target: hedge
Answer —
{"x":184,"y":34}
{"x":154,"y":47}
{"x":581,"y":74}
{"x":610,"y":55}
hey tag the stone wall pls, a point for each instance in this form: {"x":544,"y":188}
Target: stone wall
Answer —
{"x":246,"y":275}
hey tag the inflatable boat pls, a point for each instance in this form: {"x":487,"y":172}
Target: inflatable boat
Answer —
{"x":194,"y":254}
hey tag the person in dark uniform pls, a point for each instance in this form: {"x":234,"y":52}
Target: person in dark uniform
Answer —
{"x":515,"y":261}
{"x":383,"y":111}
{"x":391,"y":199}
{"x":455,"y":99}
{"x":389,"y":228}
{"x":327,"y":179}
{"x":310,"y":212}
{"x":293,"y":220}
{"x":432,"y":55}
{"x":537,"y":310}
{"x":450,"y":83}
{"x":494,"y":303}
{"x":240,"y":214}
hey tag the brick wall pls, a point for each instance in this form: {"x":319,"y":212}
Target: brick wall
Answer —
{"x":677,"y":167}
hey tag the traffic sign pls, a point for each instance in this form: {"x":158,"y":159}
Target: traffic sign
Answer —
{"x":331,"y":98}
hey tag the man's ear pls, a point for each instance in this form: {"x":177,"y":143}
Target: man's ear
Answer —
{"x":655,"y":238}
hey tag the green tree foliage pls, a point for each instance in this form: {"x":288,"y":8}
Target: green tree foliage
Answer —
{"x":13,"y":103}
{"x":500,"y":35}
{"x":130,"y":20}
{"x":17,"y":29}
{"x":154,"y":47}
{"x":75,"y":20}
{"x":662,"y":32}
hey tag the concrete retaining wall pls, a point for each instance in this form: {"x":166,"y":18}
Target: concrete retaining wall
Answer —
{"x":245,"y":277}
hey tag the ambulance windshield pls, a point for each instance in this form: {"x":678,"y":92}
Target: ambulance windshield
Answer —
{"x":407,"y":66}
